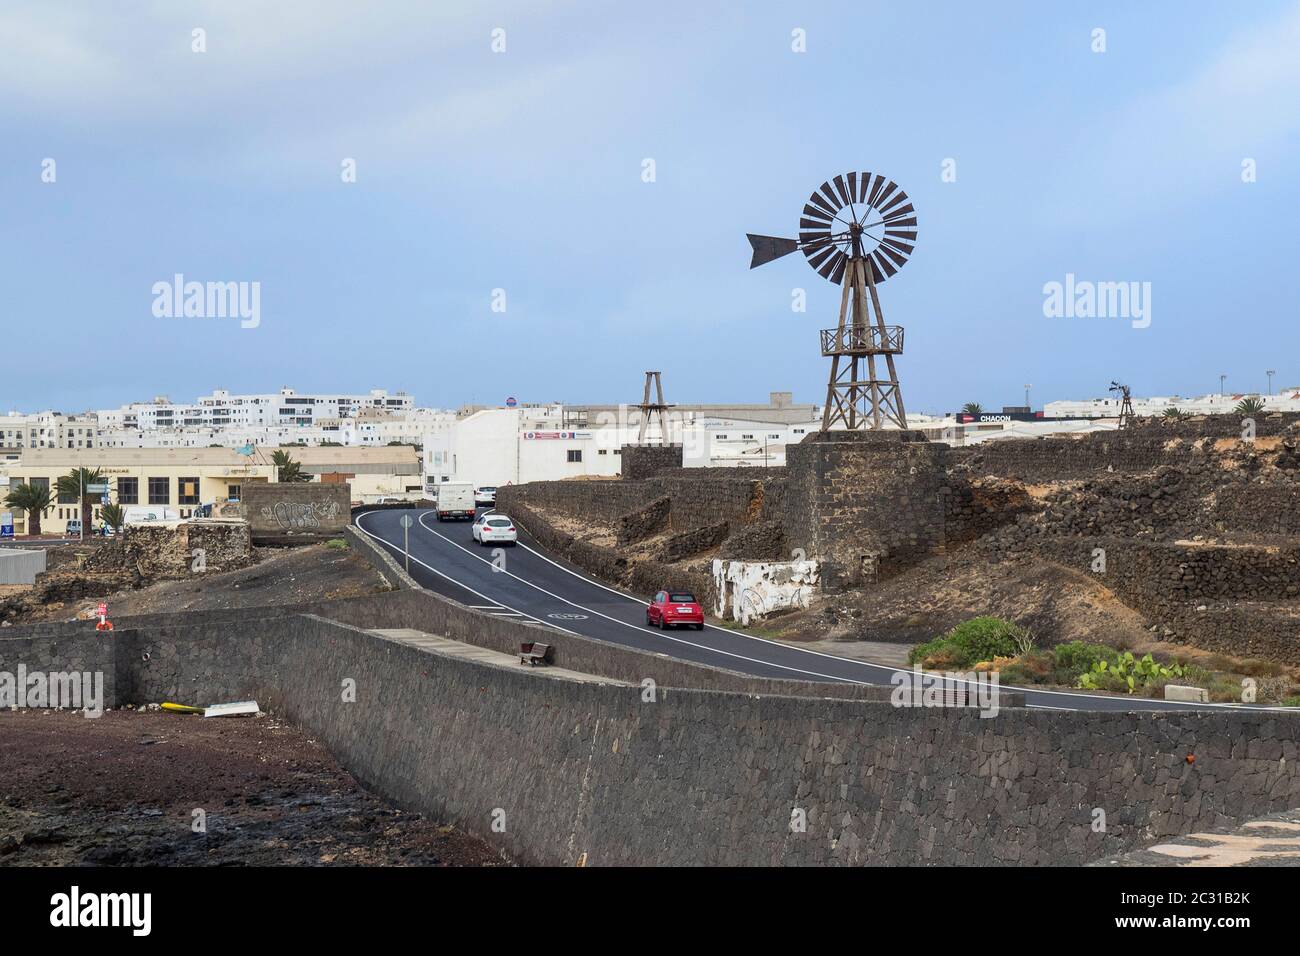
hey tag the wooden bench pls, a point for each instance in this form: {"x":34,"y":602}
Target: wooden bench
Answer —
{"x":533,"y":653}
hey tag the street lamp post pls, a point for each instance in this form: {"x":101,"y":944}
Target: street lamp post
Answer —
{"x":1270,"y":373}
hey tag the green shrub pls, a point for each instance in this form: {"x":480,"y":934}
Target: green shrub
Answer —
{"x":1127,"y":673}
{"x":1075,"y":657}
{"x":1035,"y":667}
{"x":338,"y":544}
{"x":979,"y":639}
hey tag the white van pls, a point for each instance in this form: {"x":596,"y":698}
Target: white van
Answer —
{"x":455,"y":500}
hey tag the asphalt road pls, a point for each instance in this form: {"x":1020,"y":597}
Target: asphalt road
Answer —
{"x":529,"y":584}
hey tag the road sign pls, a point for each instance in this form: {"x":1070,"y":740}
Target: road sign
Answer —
{"x":103,"y":499}
{"x":7,"y":524}
{"x":102,"y":610}
{"x":511,"y":402}
{"x":406,"y":523}
{"x":97,"y":488}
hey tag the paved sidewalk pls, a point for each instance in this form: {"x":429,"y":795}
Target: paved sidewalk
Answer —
{"x":482,"y":655}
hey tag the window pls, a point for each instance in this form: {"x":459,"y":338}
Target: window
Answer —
{"x":160,"y":491}
{"x":681,"y":597}
{"x":575,"y":454}
{"x":233,"y":492}
{"x":67,"y":499}
{"x":128,"y":491}
{"x":189,"y":491}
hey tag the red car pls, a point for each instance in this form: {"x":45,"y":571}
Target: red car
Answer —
{"x":673,"y":608}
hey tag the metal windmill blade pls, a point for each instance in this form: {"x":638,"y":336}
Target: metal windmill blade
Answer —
{"x":854,"y":215}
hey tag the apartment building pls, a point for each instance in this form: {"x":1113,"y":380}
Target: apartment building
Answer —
{"x":48,"y":430}
{"x":185,"y":479}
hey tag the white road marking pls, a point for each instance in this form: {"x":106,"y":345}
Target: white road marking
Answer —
{"x":640,"y":630}
{"x":847,"y":680}
{"x":451,"y":579}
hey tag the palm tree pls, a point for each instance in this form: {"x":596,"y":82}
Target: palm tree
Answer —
{"x":972,"y":408}
{"x":288,"y":470}
{"x":114,"y":516}
{"x":1249,"y":406}
{"x":73,"y":486}
{"x":1173,"y":411}
{"x":32,"y":499}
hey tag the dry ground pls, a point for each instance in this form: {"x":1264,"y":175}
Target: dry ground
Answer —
{"x":281,"y":576}
{"x":122,"y":789}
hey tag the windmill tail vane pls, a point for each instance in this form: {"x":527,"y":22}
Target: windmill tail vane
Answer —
{"x":856,"y":230}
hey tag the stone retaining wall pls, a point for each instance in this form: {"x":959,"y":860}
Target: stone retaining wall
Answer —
{"x":606,"y":776}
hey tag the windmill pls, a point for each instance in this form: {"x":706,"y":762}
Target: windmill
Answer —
{"x":1126,"y":404}
{"x":857,"y":230}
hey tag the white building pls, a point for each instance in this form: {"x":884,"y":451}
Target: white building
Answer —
{"x":280,"y":418}
{"x":1287,"y":400}
{"x":48,"y":430}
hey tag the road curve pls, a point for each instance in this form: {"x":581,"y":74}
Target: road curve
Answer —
{"x":531,"y":585}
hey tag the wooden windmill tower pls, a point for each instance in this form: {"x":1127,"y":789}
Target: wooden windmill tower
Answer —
{"x":857,"y":230}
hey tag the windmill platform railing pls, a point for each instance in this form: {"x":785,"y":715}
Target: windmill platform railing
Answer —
{"x":862,"y":341}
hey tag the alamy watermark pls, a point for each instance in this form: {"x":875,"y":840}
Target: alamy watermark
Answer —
{"x":179,"y":299}
{"x":1076,"y":299}
{"x":975,"y":689}
{"x":71,"y":690}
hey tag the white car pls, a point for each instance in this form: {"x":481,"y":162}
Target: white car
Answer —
{"x":493,"y":528}
{"x":487,"y":495}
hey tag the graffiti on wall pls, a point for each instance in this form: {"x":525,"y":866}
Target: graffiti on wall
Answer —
{"x":302,"y":516}
{"x":750,"y":590}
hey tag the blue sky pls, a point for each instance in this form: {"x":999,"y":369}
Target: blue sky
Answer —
{"x":522,"y":171}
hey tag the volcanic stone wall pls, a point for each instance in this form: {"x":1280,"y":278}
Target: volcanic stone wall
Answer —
{"x":695,"y":500}
{"x":1233,"y":600}
{"x":644,"y":521}
{"x":646,"y":461}
{"x":605,"y":775}
{"x":1041,"y":460}
{"x":1268,"y":511}
{"x":605,"y":501}
{"x":170,"y":552}
{"x":688,"y":543}
{"x":862,"y":500}
{"x":1215,"y":426}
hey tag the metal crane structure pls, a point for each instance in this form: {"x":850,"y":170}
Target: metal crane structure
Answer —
{"x":656,"y":408}
{"x":857,"y":230}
